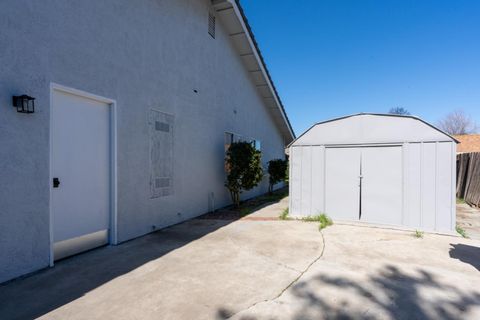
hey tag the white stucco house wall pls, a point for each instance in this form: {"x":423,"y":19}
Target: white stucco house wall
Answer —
{"x":383,"y":169}
{"x":134,"y":103}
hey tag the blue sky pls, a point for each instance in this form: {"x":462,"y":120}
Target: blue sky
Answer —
{"x":330,"y":58}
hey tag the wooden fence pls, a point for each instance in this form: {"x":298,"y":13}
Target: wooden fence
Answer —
{"x":468,"y":177}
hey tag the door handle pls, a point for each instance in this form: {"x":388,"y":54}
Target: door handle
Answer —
{"x":56,"y":182}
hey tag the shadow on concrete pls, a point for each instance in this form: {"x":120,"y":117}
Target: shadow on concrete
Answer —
{"x":396,"y":294}
{"x":390,"y":293}
{"x":467,"y":254}
{"x":35,"y":295}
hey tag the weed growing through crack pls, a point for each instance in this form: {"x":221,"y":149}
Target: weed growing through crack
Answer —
{"x":461,"y":231}
{"x":418,"y":234}
{"x":284,"y":214}
{"x":323,"y":219}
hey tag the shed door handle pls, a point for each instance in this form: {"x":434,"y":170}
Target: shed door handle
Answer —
{"x":56,"y":182}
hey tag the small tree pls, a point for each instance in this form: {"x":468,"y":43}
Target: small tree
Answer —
{"x":457,"y":122}
{"x":244,"y":169}
{"x":400,"y":111}
{"x":277,"y":169}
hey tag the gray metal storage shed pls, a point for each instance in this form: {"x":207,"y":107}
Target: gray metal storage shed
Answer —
{"x":375,"y":168}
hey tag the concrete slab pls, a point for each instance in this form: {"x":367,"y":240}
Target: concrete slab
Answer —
{"x":259,"y":269}
{"x":270,"y":212}
{"x":372,"y":273}
{"x":469,"y":219}
{"x":189,"y":271}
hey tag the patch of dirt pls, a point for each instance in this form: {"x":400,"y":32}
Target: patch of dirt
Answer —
{"x":248,"y":207}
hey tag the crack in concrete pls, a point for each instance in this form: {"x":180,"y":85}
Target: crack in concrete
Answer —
{"x":289,"y":285}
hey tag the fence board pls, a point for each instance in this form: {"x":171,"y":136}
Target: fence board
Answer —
{"x":468,"y":177}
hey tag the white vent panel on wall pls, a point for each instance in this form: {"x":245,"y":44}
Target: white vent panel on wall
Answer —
{"x":161,"y":154}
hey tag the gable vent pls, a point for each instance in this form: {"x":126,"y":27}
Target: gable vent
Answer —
{"x":211,"y":25}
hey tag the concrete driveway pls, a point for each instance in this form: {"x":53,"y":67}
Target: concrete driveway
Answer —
{"x":258,"y":269}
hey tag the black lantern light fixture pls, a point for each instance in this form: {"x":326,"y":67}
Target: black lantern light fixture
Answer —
{"x":24,"y":103}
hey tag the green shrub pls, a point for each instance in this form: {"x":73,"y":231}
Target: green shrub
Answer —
{"x":277,"y":170}
{"x":244,"y":169}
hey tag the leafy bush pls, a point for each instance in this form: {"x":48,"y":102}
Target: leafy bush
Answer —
{"x":244,"y":169}
{"x":277,"y":169}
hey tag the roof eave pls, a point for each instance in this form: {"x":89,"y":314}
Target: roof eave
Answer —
{"x":234,"y":5}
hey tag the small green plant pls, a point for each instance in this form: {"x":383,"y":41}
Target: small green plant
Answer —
{"x":284,"y":214}
{"x":460,"y":201}
{"x":323,"y":219}
{"x":461,"y":231}
{"x":311,"y":218}
{"x":418,"y":234}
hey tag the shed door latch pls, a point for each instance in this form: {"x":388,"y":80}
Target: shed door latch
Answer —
{"x":56,"y":182}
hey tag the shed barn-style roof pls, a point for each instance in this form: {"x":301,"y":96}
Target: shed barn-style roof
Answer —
{"x":372,"y":128}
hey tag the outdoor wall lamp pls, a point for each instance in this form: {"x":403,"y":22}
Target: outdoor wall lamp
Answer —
{"x":24,"y":103}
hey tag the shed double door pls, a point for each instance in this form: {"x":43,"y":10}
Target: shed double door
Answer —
{"x":364,"y":183}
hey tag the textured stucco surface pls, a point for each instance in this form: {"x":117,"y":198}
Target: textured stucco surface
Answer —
{"x":151,"y":55}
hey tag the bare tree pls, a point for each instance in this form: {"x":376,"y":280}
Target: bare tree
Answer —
{"x":400,"y":111}
{"x":457,"y":122}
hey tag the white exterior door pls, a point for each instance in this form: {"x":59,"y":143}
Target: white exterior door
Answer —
{"x":342,"y":177}
{"x":81,"y":173}
{"x":382,"y":185}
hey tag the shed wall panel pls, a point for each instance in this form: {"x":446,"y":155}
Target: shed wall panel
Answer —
{"x":306,"y":183}
{"x":444,"y":187}
{"x":318,"y":177}
{"x":413,"y":201}
{"x":428,"y":186}
{"x":295,"y":180}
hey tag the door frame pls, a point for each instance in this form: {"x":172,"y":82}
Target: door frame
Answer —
{"x":54,"y":87}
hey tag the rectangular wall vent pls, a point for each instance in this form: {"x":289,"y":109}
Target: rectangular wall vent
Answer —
{"x":161,"y":154}
{"x":162,"y":182}
{"x":211,"y":24}
{"x":162,"y":126}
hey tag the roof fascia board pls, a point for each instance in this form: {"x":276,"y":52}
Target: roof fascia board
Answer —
{"x":241,"y":18}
